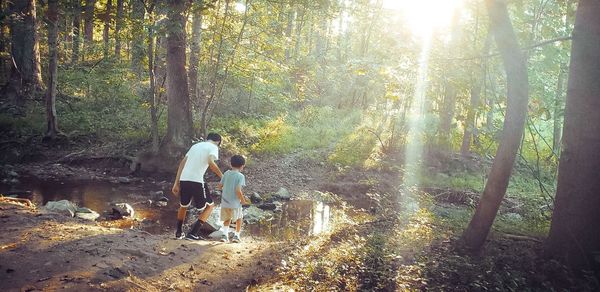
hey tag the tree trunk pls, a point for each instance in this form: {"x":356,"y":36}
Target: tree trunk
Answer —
{"x":88,"y":26}
{"x":557,"y":115}
{"x":447,"y":114}
{"x":153,"y":91}
{"x":517,"y":98}
{"x":76,"y":31}
{"x":195,"y":53}
{"x":574,"y":229}
{"x":106,"y":34}
{"x":137,"y":30}
{"x":52,"y":16}
{"x":465,"y":148}
{"x":288,"y":34}
{"x":118,"y":26}
{"x":179,"y":122}
{"x":3,"y":12}
{"x":25,"y":44}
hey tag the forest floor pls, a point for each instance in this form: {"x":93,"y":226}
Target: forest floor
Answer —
{"x":381,"y":237}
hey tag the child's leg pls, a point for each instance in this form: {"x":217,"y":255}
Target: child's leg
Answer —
{"x":226,"y":225}
{"x":238,"y":226}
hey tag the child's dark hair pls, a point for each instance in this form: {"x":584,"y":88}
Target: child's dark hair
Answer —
{"x":214,"y":137}
{"x":238,"y":161}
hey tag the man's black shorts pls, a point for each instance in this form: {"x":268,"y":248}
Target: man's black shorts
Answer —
{"x":198,"y":191}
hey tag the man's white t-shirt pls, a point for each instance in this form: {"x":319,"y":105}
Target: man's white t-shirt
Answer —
{"x":197,"y":161}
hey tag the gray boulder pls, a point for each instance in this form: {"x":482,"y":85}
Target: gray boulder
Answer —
{"x":267,"y":206}
{"x":283,"y":194}
{"x":87,"y":213}
{"x":253,"y":214}
{"x":123,"y":180}
{"x":64,"y":207}
{"x":213,"y":223}
{"x":122,"y":210}
{"x":256,"y":198}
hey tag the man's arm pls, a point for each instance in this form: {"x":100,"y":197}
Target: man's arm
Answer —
{"x":175,"y":189}
{"x":214,"y":167}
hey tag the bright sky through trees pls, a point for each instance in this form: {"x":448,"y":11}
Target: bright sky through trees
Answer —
{"x":424,"y":16}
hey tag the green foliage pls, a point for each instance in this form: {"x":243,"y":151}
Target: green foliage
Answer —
{"x":354,"y":149}
{"x":309,"y":129}
{"x":105,"y":100}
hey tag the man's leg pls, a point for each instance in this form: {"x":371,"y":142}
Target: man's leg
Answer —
{"x":203,"y":216}
{"x":180,"y":218}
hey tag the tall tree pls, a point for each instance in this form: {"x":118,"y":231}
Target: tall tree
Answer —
{"x":152,"y":65}
{"x":52,"y":20}
{"x":118,"y":27}
{"x":137,"y":43}
{"x":89,"y":25}
{"x":76,"y":31}
{"x":557,"y":115}
{"x":195,"y":49}
{"x":3,"y":29}
{"x":25,"y":44}
{"x":179,"y":119}
{"x":106,"y":34}
{"x":515,"y":66}
{"x":574,"y":229}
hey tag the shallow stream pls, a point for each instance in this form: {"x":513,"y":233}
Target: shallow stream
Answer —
{"x":296,"y":218}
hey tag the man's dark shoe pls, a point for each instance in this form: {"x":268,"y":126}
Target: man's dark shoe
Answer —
{"x":179,"y":235}
{"x":191,"y":236}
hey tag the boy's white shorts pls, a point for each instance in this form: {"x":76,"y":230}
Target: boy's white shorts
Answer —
{"x":231,"y":214}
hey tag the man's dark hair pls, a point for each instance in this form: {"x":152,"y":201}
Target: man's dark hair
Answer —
{"x":238,"y":161}
{"x":214,"y":137}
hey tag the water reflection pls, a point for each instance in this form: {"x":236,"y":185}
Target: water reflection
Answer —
{"x":299,"y":218}
{"x":321,"y":214}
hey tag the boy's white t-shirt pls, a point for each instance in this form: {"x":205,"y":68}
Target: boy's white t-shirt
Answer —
{"x":197,"y":161}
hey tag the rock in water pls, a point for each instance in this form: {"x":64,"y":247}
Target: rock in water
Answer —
{"x":267,"y":206}
{"x":157,"y":195}
{"x":256,"y":198}
{"x":86,"y":213}
{"x":161,"y":202}
{"x":124,"y":180}
{"x":253,"y":214}
{"x":64,"y":207}
{"x":121,"y":210}
{"x":283,"y":194}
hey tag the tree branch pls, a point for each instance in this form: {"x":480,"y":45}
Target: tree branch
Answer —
{"x":528,"y":48}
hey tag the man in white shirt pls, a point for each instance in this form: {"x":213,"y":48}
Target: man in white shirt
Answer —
{"x":189,"y":184}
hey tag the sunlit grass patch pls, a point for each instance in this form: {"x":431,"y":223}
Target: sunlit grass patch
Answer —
{"x":309,"y":129}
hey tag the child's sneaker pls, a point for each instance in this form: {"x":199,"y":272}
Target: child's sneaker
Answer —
{"x":235,"y":238}
{"x":224,"y":238}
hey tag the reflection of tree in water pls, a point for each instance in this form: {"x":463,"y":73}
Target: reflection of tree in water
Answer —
{"x":297,"y":218}
{"x":321,"y":216}
{"x":96,"y":196}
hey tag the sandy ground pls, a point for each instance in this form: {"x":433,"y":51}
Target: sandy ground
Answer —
{"x":42,"y":251}
{"x":45,"y":251}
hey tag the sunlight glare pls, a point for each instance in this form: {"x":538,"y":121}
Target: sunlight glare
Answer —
{"x":424,"y":16}
{"x":240,"y":7}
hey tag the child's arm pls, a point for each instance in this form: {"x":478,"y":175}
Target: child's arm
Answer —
{"x":240,"y":195}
